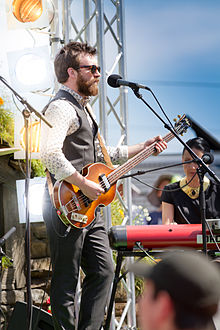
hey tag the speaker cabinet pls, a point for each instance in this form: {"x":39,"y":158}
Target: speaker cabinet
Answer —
{"x":41,"y":319}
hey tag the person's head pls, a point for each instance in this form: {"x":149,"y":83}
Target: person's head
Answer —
{"x":154,"y":195}
{"x":200,"y":147}
{"x":181,"y":292}
{"x":76,"y":67}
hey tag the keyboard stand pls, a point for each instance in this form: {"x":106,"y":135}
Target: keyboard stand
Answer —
{"x":117,"y":279}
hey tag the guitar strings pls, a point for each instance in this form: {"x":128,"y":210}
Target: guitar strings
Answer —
{"x":131,"y":163}
{"x":117,"y":173}
{"x":113,"y":177}
{"x":135,"y":160}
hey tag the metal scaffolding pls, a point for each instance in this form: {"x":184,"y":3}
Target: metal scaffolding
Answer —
{"x":102,"y":24}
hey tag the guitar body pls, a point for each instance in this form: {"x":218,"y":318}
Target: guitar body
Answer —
{"x":74,"y":208}
{"x":77,"y":210}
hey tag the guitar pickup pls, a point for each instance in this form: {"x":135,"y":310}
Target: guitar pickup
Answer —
{"x":104,"y":182}
{"x":76,"y":202}
{"x":79,"y":217}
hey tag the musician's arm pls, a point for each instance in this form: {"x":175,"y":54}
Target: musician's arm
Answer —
{"x":167,"y":213}
{"x":88,"y":187}
{"x":135,"y":149}
{"x":65,"y":122}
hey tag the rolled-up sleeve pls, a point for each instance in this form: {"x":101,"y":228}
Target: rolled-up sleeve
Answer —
{"x":62,"y":117}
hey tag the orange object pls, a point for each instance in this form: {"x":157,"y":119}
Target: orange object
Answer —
{"x":27,"y":10}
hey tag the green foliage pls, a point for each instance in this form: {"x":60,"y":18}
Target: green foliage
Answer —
{"x":6,"y":124}
{"x":140,"y":214}
{"x":37,"y":168}
{"x":117,"y":212}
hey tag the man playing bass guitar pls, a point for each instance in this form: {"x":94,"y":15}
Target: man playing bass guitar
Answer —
{"x":66,"y":148}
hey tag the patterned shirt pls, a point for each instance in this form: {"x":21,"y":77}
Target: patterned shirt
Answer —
{"x":63,"y":117}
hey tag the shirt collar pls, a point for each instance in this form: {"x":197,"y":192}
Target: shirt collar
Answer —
{"x":82,"y":100}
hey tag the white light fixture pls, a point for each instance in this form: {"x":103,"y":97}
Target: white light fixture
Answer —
{"x":30,"y":69}
{"x":36,"y":190}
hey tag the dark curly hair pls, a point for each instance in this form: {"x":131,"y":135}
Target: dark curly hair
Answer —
{"x":68,"y":57}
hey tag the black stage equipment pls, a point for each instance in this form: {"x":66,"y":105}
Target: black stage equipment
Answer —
{"x":41,"y":319}
{"x":116,"y":81}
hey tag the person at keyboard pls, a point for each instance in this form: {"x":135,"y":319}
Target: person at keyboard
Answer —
{"x":180,"y":200}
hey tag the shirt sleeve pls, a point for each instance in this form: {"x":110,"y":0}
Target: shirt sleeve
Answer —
{"x":118,"y":155}
{"x":63,"y":117}
{"x":167,"y":195}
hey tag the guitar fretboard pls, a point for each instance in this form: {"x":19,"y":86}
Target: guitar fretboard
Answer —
{"x":134,"y":161}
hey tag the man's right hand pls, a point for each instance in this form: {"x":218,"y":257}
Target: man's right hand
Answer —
{"x":89,"y":188}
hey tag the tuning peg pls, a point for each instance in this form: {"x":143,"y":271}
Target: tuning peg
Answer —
{"x":179,"y":116}
{"x":175,"y":120}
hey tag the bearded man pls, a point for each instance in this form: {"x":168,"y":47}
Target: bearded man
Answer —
{"x":66,"y":148}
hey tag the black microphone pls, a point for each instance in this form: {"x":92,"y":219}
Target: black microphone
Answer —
{"x":115,"y":81}
{"x":7,"y":235}
{"x":208,"y":158}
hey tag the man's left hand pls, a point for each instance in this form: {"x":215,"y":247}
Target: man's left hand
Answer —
{"x":160,"y":146}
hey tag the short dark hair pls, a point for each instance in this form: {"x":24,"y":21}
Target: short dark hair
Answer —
{"x":68,"y":57}
{"x":185,"y":319}
{"x":198,"y":143}
{"x":193,"y":284}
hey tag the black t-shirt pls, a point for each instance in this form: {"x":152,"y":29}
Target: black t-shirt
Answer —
{"x":188,"y":208}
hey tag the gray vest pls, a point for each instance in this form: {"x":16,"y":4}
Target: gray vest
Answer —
{"x":79,"y":147}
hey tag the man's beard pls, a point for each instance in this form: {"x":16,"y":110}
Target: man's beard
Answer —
{"x":87,"y":88}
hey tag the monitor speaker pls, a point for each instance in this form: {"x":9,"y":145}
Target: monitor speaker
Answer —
{"x":41,"y":319}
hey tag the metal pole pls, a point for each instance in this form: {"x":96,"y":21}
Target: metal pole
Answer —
{"x":124,"y":115}
{"x":55,"y":37}
{"x":87,"y":13}
{"x":66,"y":21}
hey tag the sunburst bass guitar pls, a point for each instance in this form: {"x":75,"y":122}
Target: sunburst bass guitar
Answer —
{"x":77,"y":210}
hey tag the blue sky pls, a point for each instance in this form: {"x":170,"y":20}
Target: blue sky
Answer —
{"x":169,"y":42}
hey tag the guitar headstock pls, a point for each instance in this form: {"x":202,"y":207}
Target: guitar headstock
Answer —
{"x":182,"y":124}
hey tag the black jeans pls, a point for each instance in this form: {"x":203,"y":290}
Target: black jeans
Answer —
{"x":88,"y":248}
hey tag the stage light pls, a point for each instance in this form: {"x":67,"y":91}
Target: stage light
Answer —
{"x":27,"y":10}
{"x":31,"y":67}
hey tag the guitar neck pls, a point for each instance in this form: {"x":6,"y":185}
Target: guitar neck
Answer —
{"x":114,"y":176}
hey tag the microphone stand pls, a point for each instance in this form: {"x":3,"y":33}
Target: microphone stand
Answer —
{"x":28,"y":109}
{"x":201,"y":174}
{"x":199,"y":161}
{"x":155,"y":169}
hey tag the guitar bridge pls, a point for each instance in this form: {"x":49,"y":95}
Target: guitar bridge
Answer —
{"x":79,"y":217}
{"x":104,"y":182}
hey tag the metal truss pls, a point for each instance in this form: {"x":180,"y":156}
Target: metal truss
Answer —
{"x":102,"y":24}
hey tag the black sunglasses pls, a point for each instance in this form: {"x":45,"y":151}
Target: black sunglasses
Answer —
{"x":92,"y":68}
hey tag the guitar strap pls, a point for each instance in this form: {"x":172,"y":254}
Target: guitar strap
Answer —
{"x":104,"y":152}
{"x":107,"y":159}
{"x":50,"y":185}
